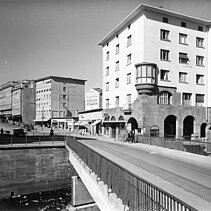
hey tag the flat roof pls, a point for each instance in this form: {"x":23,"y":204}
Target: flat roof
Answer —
{"x":137,"y":12}
{"x":58,"y":78}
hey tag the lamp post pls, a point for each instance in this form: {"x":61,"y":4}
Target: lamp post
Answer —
{"x":42,"y":116}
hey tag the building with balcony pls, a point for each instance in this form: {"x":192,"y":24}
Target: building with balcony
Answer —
{"x":58,"y":101}
{"x":155,"y":74}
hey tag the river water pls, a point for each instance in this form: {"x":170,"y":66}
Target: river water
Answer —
{"x":44,"y":201}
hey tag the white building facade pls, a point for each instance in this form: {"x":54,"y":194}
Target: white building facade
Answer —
{"x":156,"y":73}
{"x":93,"y":99}
{"x":91,"y":118}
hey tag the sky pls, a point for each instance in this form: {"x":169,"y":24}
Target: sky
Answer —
{"x":39,"y":38}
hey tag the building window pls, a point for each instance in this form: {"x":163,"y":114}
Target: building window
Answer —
{"x":200,"y":28}
{"x":164,"y":75}
{"x":107,"y":86}
{"x":183,"y":77}
{"x":107,"y":103}
{"x":64,"y":97}
{"x":117,"y":66}
{"x":128,"y":99}
{"x":199,"y":100}
{"x":183,"y":39}
{"x":164,"y":35}
{"x":64,"y":89}
{"x":186,"y":99}
{"x":164,"y":55}
{"x":183,"y":58}
{"x":117,"y":83}
{"x":165,"y":20}
{"x":128,"y":59}
{"x":199,"y":79}
{"x":128,"y":78}
{"x":199,"y":42}
{"x":199,"y":60}
{"x":107,"y":56}
{"x":117,"y":102}
{"x":154,"y":131}
{"x":107,"y":71}
{"x":165,"y":98}
{"x":129,"y":40}
{"x":117,"y":48}
{"x":145,"y":74}
{"x":183,"y":24}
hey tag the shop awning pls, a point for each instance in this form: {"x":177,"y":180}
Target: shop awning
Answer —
{"x":96,"y":122}
{"x":77,"y":123}
{"x":41,"y":120}
{"x":81,"y":123}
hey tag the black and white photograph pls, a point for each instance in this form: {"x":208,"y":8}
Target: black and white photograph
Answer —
{"x":105,"y":105}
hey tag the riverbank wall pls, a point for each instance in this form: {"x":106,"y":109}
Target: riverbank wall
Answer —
{"x":31,"y":169}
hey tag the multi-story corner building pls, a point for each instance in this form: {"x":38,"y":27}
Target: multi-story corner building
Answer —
{"x":91,"y":118}
{"x":17,"y":101}
{"x":58,"y":100}
{"x":23,"y":101}
{"x":156,"y":73}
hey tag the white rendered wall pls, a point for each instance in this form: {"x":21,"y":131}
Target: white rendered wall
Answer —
{"x":153,"y":44}
{"x":146,"y":46}
{"x":136,"y":50}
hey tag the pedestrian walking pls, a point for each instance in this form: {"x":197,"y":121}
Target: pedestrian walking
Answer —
{"x":132,"y":137}
{"x":51,"y":132}
{"x":2,"y":131}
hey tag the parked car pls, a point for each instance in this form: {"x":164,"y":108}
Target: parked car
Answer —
{"x":19,"y":132}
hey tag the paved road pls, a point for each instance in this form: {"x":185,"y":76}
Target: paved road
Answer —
{"x":189,"y":173}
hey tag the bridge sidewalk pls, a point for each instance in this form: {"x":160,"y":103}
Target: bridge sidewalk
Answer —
{"x":152,"y":149}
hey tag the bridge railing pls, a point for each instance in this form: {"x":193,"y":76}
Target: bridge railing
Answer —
{"x":199,"y":146}
{"x":135,"y":192}
{"x":11,"y":140}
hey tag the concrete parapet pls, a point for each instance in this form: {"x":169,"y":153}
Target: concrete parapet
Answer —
{"x":104,"y":198}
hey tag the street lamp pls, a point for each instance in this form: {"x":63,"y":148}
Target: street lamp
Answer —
{"x":42,"y":116}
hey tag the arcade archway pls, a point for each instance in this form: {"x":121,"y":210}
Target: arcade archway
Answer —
{"x":132,"y":124}
{"x":188,"y":128}
{"x":170,"y":126}
{"x":203,"y":130}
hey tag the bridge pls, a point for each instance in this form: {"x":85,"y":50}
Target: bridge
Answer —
{"x":124,"y":176}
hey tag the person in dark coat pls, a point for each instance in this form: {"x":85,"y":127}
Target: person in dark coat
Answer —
{"x":2,"y":131}
{"x":132,"y":136}
{"x":51,"y":132}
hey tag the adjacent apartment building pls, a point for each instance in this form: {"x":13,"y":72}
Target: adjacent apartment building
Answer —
{"x":156,"y":74}
{"x":58,"y":101}
{"x":17,"y":101}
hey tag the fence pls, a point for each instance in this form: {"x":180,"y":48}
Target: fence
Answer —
{"x":135,"y":192}
{"x":197,"y":146}
{"x":11,"y":140}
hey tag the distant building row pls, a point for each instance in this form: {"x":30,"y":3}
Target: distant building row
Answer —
{"x":42,"y":100}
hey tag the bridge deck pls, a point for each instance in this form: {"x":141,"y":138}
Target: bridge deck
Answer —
{"x":184,"y":175}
